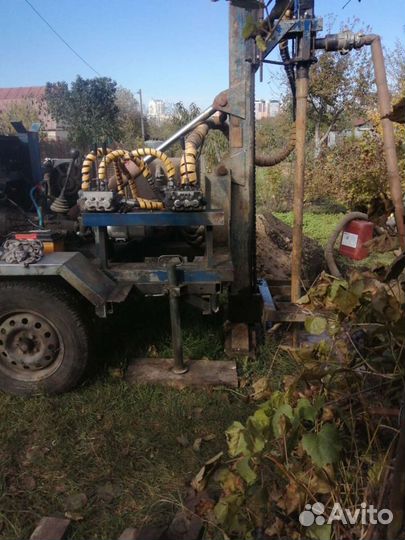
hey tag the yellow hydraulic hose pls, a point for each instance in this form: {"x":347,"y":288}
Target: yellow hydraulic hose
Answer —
{"x":147,"y":204}
{"x":88,"y":162}
{"x":118,"y":177}
{"x":188,"y":163}
{"x":167,"y":163}
{"x":113,"y":156}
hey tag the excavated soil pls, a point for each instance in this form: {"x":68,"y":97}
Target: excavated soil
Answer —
{"x":274,"y":247}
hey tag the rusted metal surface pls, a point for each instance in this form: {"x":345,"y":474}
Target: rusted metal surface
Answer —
{"x":398,"y":112}
{"x":298,"y":203}
{"x":242,"y":140}
{"x":74,"y":268}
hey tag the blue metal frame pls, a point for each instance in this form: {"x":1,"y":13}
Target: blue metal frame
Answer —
{"x":154,"y":219}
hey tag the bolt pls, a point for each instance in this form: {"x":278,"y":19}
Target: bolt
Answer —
{"x":221,"y":170}
{"x":222,"y":100}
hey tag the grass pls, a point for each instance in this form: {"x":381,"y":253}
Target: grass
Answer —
{"x":116,"y":456}
{"x":112,"y":455}
{"x":320,"y":226}
{"x":316,"y":226}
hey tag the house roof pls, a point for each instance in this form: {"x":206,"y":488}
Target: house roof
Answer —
{"x":22,"y":92}
{"x":358,"y":122}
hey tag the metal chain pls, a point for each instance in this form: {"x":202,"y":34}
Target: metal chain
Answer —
{"x":22,"y":251}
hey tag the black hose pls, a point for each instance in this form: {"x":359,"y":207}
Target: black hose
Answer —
{"x":289,"y":70}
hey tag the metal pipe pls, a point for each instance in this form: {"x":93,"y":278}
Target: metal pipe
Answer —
{"x":302,"y":84}
{"x":177,"y":341}
{"x":348,"y":41}
{"x":384,"y":105}
{"x":183,"y":131}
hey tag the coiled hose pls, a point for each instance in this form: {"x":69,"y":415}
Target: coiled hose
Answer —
{"x":115,"y":155}
{"x":87,"y":165}
{"x":289,"y":70}
{"x":188,"y":163}
{"x":167,"y":163}
{"x":276,"y":157}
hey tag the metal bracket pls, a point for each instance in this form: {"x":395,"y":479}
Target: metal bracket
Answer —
{"x":232,"y":101}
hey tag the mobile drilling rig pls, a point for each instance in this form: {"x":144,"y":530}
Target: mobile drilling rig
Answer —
{"x":142,"y":220}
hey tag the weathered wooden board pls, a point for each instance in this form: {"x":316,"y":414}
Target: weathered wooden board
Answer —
{"x":129,"y":534}
{"x":200,"y":373}
{"x":51,"y":528}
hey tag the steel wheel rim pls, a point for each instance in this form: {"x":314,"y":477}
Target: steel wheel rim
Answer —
{"x":31,"y":347}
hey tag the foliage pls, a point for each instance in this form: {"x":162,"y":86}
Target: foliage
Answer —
{"x":316,"y":226}
{"x":179,"y":116}
{"x":129,"y":119}
{"x":317,"y":440}
{"x":352,"y":172}
{"x":340,"y":90}
{"x":274,"y":187}
{"x":396,"y":66}
{"x":28,"y":111}
{"x":88,"y":109}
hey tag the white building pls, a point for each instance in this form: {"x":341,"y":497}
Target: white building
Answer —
{"x":266,"y":109}
{"x":157,"y":109}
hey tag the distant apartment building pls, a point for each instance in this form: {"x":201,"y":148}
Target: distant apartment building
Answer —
{"x":32,"y":96}
{"x":266,"y":109}
{"x":157,"y":109}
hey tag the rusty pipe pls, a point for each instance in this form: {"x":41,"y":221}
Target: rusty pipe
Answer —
{"x":348,"y":41}
{"x":302,"y":84}
{"x":276,"y":157}
{"x":384,"y":105}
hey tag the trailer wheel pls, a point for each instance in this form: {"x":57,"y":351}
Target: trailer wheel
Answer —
{"x":43,"y":339}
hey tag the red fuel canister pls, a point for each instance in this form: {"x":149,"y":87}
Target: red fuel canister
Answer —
{"x":355,"y":235}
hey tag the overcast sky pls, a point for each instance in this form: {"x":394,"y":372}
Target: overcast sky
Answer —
{"x":172,"y":49}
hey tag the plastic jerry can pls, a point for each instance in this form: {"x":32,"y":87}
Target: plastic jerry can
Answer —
{"x":355,"y":235}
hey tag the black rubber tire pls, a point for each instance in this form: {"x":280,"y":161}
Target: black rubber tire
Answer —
{"x":63,"y":310}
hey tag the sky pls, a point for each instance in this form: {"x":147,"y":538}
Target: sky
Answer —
{"x":176,"y":50}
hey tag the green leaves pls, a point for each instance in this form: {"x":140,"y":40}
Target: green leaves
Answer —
{"x":306,"y":411}
{"x":237,"y":440}
{"x":279,"y":419}
{"x":320,"y":532}
{"x":316,"y":325}
{"x":323,"y":447}
{"x":246,"y":472}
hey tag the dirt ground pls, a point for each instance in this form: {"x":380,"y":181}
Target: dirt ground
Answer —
{"x":274,"y":247}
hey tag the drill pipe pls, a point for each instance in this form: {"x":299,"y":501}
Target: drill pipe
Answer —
{"x":298,"y":204}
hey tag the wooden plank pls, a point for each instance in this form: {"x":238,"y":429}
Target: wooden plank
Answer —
{"x":51,"y":528}
{"x":129,"y":534}
{"x":200,"y":373}
{"x":285,"y":312}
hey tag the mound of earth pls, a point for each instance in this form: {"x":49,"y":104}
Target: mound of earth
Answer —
{"x":274,"y":247}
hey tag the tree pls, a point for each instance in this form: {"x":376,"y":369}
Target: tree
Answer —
{"x":179,"y":117}
{"x":88,"y":110}
{"x":396,"y":67}
{"x":28,"y":111}
{"x":340,"y":89}
{"x":129,"y":118}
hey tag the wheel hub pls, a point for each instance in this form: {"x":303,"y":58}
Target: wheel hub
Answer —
{"x":27,"y":342}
